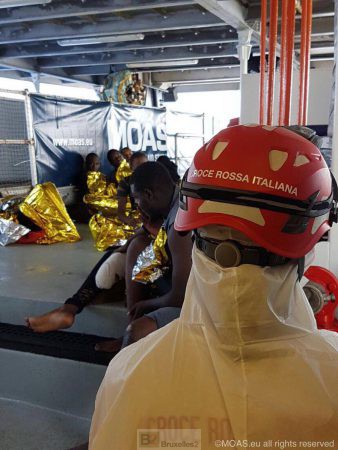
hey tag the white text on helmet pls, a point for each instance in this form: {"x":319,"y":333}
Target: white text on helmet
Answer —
{"x":232,"y":176}
{"x":276,"y":185}
{"x":244,"y":178}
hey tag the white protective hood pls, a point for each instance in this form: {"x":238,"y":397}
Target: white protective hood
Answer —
{"x":244,"y":361}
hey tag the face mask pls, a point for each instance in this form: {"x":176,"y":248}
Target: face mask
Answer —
{"x":247,"y":302}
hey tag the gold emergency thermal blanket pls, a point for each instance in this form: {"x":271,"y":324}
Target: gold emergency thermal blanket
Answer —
{"x":109,"y":232}
{"x":123,"y":171}
{"x":152,"y":262}
{"x":102,"y":195}
{"x":45,"y":208}
{"x":96,"y":183}
{"x":244,"y":364}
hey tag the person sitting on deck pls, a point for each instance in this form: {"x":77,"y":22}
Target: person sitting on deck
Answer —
{"x":157,"y":198}
{"x":124,"y":192}
{"x":92,"y":164}
{"x":80,"y":212}
{"x":126,"y":153}
{"x":150,"y":308}
{"x":115,"y":158}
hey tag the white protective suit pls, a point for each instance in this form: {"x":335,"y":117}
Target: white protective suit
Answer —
{"x":245,"y":361}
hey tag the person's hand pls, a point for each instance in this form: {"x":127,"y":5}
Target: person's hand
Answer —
{"x":139,"y":309}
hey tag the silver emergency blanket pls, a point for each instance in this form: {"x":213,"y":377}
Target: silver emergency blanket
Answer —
{"x":152,"y":262}
{"x":143,"y":262}
{"x":244,"y":364}
{"x":11,"y":232}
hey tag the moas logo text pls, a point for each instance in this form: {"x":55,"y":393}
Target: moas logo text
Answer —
{"x":144,"y":136}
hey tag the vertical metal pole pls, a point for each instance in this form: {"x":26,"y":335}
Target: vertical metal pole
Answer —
{"x":272,"y":58}
{"x":307,"y":60}
{"x":306,"y":28}
{"x":282,"y":81}
{"x":244,"y":49}
{"x":303,"y":32}
{"x":287,"y":44}
{"x":262,"y":62}
{"x":30,"y":134}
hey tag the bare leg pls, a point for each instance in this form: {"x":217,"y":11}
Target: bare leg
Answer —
{"x":57,"y":319}
{"x":64,"y":316}
{"x":138,"y":329}
{"x":135,"y":291}
{"x":135,"y":331}
{"x":112,"y":346}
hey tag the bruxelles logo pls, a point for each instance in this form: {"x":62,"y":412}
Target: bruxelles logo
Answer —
{"x":148,"y":439}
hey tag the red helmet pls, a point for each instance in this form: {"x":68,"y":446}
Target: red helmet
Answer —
{"x":267,"y":182}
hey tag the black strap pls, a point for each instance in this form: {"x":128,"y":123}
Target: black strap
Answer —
{"x":257,"y":256}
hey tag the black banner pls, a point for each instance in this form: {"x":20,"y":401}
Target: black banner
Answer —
{"x":65,"y":132}
{"x":139,"y":128}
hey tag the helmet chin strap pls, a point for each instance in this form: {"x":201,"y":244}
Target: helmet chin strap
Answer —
{"x":230,"y":253}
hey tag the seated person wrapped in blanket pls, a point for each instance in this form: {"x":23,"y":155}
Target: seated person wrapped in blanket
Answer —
{"x":149,"y":306}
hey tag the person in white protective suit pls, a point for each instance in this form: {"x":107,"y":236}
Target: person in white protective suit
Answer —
{"x":244,"y":365}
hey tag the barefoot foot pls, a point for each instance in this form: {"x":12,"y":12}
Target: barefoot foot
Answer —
{"x":57,"y":319}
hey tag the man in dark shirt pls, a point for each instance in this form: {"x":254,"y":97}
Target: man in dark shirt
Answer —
{"x":157,"y":198}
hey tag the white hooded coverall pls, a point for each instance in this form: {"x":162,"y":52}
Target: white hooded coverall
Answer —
{"x":244,"y":362}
